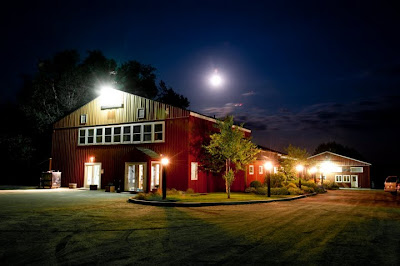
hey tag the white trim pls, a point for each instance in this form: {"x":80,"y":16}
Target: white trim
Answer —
{"x":346,"y":179}
{"x":338,"y":178}
{"x":215,"y":120}
{"x":194,"y":171}
{"x":144,"y":175}
{"x":85,"y":184}
{"x":368,"y":164}
{"x":251,"y":169}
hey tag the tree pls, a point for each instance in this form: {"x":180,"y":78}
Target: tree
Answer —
{"x":339,"y":149}
{"x":169,"y":96}
{"x":230,"y":145}
{"x":295,"y":156}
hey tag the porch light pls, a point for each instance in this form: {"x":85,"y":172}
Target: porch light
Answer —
{"x":91,"y":159}
{"x":165,"y":161}
{"x":313,"y":170}
{"x":327,"y":167}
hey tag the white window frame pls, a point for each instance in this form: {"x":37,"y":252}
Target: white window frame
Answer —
{"x":194,"y":171}
{"x":83,"y":119}
{"x":260,"y":169}
{"x":251,"y":169}
{"x":338,"y":178}
{"x":139,"y":115}
{"x":152,"y":140}
{"x":346,"y":178}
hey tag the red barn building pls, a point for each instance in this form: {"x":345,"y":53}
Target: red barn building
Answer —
{"x":345,"y":171}
{"x":122,"y":137}
{"x":256,"y":171}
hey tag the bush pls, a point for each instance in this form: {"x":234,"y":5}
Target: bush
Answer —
{"x":255,"y":184}
{"x":330,"y":185}
{"x":279,"y":191}
{"x":307,"y":189}
{"x":291,"y":185}
{"x":320,"y":189}
{"x":309,"y":183}
{"x":173,"y":191}
{"x":149,"y":196}
{"x":250,"y":190}
{"x":295,"y":191}
{"x":276,"y":180}
{"x":262,"y":191}
{"x":189,"y":191}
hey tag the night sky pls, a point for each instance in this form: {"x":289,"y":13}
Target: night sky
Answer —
{"x":299,"y":73}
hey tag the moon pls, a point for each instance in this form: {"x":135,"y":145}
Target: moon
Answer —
{"x":216,"y":80}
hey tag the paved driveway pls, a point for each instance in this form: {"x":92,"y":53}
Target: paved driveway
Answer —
{"x":78,"y":227}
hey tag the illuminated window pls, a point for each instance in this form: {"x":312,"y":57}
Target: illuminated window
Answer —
{"x":356,"y":169}
{"x":194,"y":170}
{"x":346,"y":178}
{"x":338,"y":178}
{"x":260,"y":169}
{"x":251,"y":169}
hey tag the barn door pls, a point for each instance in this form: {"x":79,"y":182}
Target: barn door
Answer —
{"x":354,"y":181}
{"x":135,"y":177}
{"x":92,"y":174}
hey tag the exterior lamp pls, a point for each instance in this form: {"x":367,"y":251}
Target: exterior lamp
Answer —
{"x":91,"y":159}
{"x":313,"y":172}
{"x":299,"y":169}
{"x":268,"y":168}
{"x":110,"y":98}
{"x":164,"y":162}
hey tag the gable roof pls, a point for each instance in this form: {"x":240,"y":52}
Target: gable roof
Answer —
{"x":345,"y":157}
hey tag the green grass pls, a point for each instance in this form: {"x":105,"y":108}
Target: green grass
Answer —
{"x":222,"y":197}
{"x":72,"y":227}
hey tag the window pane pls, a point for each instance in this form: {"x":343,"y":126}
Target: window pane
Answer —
{"x":158,"y":136}
{"x":108,"y":131}
{"x":82,"y":140}
{"x":90,"y":139}
{"x":127,"y":130}
{"x":136,"y":137}
{"x":99,"y":135}
{"x":157,"y":127}
{"x":117,"y":130}
{"x":147,"y":128}
{"x":82,"y":132}
{"x":127,"y":137}
{"x":136,"y":129}
{"x":147,"y":137}
{"x":107,"y":137}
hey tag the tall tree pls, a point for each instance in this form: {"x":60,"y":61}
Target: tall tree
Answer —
{"x":339,"y":149}
{"x":295,"y":156}
{"x":231,"y":145}
{"x":169,"y":96}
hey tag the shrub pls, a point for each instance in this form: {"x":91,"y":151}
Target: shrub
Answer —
{"x":276,"y":180}
{"x":307,"y":189}
{"x":320,"y":189}
{"x":279,"y":191}
{"x":309,"y":183}
{"x":149,"y":196}
{"x":190,"y":191}
{"x":295,"y":191}
{"x":141,"y":196}
{"x":255,"y":184}
{"x":330,"y":185}
{"x":262,"y":191}
{"x":291,"y":185}
{"x":250,"y":190}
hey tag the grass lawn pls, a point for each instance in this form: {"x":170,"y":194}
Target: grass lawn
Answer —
{"x":222,"y":197}
{"x":73,"y":227}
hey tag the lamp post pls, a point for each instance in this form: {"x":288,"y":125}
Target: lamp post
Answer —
{"x":268,"y":168}
{"x":164,"y":162}
{"x":313,"y":172}
{"x":299,"y":169}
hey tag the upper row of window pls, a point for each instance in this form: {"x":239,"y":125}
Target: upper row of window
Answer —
{"x":131,"y":133}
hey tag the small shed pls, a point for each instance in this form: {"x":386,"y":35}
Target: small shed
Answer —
{"x":345,"y":171}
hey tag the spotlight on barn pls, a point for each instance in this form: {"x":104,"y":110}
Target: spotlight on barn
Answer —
{"x":110,"y":97}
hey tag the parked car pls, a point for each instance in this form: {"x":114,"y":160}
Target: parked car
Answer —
{"x":392,"y":184}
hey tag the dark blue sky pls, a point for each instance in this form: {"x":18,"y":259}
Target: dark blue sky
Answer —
{"x":305,"y":72}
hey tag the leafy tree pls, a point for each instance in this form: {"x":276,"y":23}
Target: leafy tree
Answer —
{"x":295,"y":156}
{"x":339,"y":149}
{"x":169,"y":96}
{"x":230,"y":145}
{"x":137,"y":78}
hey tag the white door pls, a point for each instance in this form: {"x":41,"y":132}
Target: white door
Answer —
{"x":155,"y":175}
{"x":92,"y":174}
{"x":135,"y":176}
{"x":354,"y":181}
